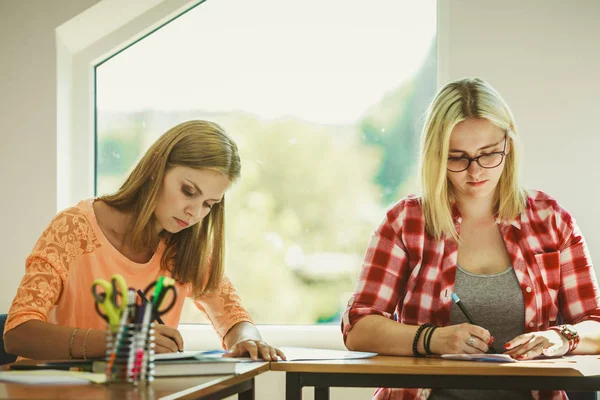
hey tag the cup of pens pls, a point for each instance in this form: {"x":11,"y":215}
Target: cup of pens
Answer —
{"x":129,"y":352}
{"x":130,"y":329}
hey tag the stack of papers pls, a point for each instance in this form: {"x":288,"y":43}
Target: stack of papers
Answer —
{"x":191,"y":363}
{"x":291,"y":354}
{"x":51,"y":377}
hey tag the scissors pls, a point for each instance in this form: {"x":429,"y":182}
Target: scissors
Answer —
{"x":159,"y":289}
{"x":108,"y":304}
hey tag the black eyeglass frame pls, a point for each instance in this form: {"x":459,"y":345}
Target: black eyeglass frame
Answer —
{"x":476,"y":159}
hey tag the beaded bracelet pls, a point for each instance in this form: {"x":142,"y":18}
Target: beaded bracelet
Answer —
{"x":71,"y":342}
{"x":85,"y":341}
{"x":427,"y":339}
{"x":416,"y":339}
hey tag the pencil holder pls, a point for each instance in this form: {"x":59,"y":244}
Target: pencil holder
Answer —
{"x":129,"y":353}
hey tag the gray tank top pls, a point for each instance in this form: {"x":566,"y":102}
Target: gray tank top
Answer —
{"x":496,"y":303}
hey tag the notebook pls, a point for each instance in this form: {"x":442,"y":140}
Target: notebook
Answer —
{"x":190,"y":364}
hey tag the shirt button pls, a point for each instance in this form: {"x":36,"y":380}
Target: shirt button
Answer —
{"x":531,"y":324}
{"x":528,"y":289}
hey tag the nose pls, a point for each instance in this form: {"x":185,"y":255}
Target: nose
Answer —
{"x":474,"y":169}
{"x":193,"y":211}
{"x":196,"y":211}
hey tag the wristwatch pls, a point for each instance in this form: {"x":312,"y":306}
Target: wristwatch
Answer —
{"x":570,"y":333}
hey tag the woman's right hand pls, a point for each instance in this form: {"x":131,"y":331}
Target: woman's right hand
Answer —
{"x":167,"y":339}
{"x":459,"y":339}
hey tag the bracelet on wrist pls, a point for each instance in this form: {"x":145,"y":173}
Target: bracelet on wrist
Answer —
{"x":427,"y":339}
{"x":568,"y":332}
{"x":415,"y":347}
{"x":83,"y":348}
{"x":71,"y":342}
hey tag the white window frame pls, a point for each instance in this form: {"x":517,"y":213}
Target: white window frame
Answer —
{"x":83,"y":42}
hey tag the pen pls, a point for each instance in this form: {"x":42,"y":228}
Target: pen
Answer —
{"x":469,"y":317}
{"x":145,"y":300}
{"x":158,"y":318}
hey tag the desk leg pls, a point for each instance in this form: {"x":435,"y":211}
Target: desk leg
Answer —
{"x":249,"y":393}
{"x":321,"y":393}
{"x":293,"y":386}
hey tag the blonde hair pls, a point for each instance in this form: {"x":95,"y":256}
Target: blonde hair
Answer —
{"x":457,"y":101}
{"x":193,"y":255}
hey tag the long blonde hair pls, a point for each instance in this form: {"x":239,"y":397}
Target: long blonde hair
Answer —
{"x":193,"y":255}
{"x":457,"y":101}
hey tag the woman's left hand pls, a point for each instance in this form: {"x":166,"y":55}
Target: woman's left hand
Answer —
{"x":254,"y":348}
{"x":535,"y":344}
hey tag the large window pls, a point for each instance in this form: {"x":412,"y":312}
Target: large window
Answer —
{"x":325,"y":100}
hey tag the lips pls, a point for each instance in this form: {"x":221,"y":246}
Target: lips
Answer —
{"x":182,"y":223}
{"x":478,"y":183}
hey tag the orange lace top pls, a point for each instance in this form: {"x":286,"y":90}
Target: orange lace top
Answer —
{"x":73,"y":252}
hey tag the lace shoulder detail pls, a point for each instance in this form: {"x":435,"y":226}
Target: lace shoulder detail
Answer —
{"x":38,"y":293}
{"x":69,"y":235}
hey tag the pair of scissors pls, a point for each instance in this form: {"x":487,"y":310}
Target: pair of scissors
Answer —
{"x":158,"y":290}
{"x":111,"y":300}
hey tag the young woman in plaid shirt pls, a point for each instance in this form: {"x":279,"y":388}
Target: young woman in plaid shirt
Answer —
{"x":515,"y":257}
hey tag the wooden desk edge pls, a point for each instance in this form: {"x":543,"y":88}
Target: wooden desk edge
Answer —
{"x":436,"y":366}
{"x":208,"y":388}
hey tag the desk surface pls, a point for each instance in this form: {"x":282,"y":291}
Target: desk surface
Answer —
{"x":174,"y":388}
{"x":568,"y":366}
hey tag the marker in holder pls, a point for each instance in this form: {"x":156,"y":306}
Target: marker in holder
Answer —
{"x":130,"y":353}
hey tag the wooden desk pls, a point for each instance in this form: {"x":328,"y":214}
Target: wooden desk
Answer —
{"x":191,"y":387}
{"x":573,"y":373}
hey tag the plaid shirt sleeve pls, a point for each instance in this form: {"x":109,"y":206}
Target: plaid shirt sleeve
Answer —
{"x":385,"y":269}
{"x":578,"y":297}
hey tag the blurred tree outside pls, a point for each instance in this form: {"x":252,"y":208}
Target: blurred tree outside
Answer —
{"x":310,"y":195}
{"x":394,"y":125}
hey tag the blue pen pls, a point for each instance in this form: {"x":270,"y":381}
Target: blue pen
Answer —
{"x":469,"y":317}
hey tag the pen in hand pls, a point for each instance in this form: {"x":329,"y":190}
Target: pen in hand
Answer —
{"x":460,"y":305}
{"x":158,"y":318}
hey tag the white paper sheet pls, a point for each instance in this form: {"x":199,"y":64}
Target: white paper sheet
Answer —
{"x":51,"y":376}
{"x":502,"y":358}
{"x":306,"y":354}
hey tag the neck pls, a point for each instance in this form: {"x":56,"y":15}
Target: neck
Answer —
{"x":481,"y":209}
{"x":125,"y":224}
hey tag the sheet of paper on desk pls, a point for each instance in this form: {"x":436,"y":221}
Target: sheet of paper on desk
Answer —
{"x":53,"y":377}
{"x":211,"y":355}
{"x":501,"y":358}
{"x":306,"y":354}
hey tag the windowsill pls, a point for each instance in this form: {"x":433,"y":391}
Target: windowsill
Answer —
{"x":203,"y":337}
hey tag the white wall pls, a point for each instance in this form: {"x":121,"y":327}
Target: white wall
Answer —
{"x":542,"y":55}
{"x":27,"y":128}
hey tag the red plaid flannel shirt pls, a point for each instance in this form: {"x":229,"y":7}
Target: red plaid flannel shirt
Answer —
{"x":408,"y":272}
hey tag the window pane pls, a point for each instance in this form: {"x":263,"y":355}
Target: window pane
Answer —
{"x":325,"y":101}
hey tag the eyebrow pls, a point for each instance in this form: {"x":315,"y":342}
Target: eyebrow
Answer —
{"x":200,"y":190}
{"x":479,"y":149}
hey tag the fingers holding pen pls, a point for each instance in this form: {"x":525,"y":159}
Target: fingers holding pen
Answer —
{"x":167,"y":339}
{"x":461,"y":338}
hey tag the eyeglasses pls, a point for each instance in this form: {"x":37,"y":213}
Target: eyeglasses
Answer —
{"x":491,"y":160}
